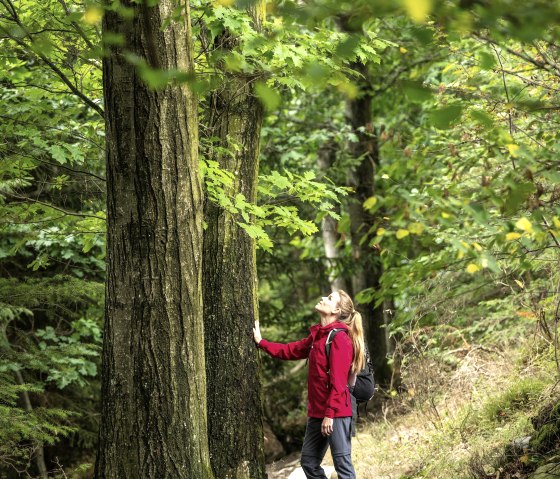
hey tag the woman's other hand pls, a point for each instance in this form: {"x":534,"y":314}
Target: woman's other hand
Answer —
{"x":257,"y":333}
{"x":327,"y":426}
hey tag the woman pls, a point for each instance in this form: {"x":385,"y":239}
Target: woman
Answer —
{"x":329,"y":408}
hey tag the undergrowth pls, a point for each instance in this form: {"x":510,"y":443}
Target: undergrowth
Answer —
{"x":475,"y":424}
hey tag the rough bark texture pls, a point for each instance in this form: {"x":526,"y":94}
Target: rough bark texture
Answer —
{"x":329,"y":228}
{"x":368,"y":265}
{"x":153,"y":422}
{"x":230,"y":288}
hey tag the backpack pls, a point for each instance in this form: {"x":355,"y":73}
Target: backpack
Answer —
{"x":364,"y":388}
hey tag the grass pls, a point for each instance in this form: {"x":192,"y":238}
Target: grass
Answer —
{"x":461,"y":427}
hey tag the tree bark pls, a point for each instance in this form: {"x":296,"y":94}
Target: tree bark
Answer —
{"x":368,"y":264}
{"x":329,"y":228}
{"x":235,"y":413}
{"x":153,"y":422}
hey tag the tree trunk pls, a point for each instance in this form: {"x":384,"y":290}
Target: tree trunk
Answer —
{"x":39,"y":450}
{"x":368,"y":264}
{"x":153,"y":422}
{"x":235,"y":427}
{"x":328,"y":228}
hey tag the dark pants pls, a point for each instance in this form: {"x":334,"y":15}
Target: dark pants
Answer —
{"x":315,"y":446}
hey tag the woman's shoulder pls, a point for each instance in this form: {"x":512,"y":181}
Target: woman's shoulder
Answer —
{"x":343,"y":336}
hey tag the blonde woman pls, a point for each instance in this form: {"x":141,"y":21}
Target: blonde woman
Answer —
{"x":329,"y":409}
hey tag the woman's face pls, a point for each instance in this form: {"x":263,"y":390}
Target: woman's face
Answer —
{"x":328,"y":304}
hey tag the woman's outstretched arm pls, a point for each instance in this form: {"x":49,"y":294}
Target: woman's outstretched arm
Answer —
{"x":294,"y":350}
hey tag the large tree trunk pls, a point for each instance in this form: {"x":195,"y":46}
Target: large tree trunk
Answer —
{"x":230,"y":286}
{"x":153,"y":422}
{"x":367,"y":262}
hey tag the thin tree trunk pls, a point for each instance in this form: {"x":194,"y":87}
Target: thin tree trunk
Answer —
{"x":329,"y":229}
{"x":368,"y":264}
{"x":40,"y":450}
{"x":153,"y":422}
{"x":235,"y":413}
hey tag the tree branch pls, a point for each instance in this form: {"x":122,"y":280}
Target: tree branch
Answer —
{"x":10,"y":7}
{"x":76,"y":26}
{"x":541,"y":65}
{"x":66,"y":212}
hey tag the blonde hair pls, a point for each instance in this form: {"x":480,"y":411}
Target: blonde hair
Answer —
{"x":353,"y":319}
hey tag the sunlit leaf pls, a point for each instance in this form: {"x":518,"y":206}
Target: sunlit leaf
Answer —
{"x":524,"y":224}
{"x":512,"y":236}
{"x":348,"y":89}
{"x":416,"y":228}
{"x":472,"y":268}
{"x":513,"y":149}
{"x":370,"y":202}
{"x":418,"y":10}
{"x":402,"y":233}
{"x":93,"y":15}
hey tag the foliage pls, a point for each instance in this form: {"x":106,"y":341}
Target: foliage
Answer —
{"x":465,"y":214}
{"x":274,"y":189}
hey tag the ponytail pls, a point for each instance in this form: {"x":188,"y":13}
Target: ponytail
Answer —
{"x":357,"y":335}
{"x":353,"y":319}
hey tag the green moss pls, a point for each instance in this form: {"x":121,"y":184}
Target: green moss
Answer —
{"x":520,"y":396}
{"x":546,"y":436}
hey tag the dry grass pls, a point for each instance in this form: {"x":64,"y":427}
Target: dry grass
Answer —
{"x":449,"y":416}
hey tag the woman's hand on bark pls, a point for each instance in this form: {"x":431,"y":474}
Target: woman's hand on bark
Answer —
{"x":327,"y":426}
{"x":257,"y":333}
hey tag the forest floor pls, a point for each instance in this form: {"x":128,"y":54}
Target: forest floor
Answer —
{"x":455,"y":417}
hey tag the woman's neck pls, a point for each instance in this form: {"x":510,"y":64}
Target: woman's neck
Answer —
{"x":328,"y":319}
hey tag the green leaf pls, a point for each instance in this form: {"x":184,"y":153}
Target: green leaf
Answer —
{"x":59,"y":154}
{"x":365,"y":296}
{"x":443,"y":118}
{"x":481,"y":117}
{"x":518,"y":193}
{"x":486,"y":60}
{"x":347,"y":47}
{"x":268,"y":97}
{"x":415,"y":91}
{"x":478,"y":212}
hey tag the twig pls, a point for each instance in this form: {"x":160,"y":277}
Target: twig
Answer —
{"x":510,"y":118}
{"x":66,"y":212}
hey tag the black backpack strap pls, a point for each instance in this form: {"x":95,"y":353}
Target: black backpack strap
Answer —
{"x":330,"y":339}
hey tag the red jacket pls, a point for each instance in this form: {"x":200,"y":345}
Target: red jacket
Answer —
{"x":327,"y":392}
